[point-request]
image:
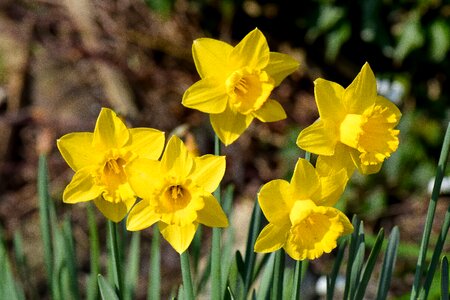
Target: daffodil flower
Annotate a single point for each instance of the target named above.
(236, 83)
(301, 219)
(356, 126)
(176, 193)
(99, 159)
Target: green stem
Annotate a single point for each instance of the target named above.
(94, 252)
(430, 214)
(186, 273)
(297, 280)
(278, 274)
(216, 289)
(154, 286)
(118, 278)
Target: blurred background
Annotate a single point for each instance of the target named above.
(62, 60)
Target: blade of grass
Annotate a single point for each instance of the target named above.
(430, 214)
(436, 254)
(44, 219)
(278, 274)
(154, 286)
(331, 279)
(8, 287)
(297, 280)
(370, 264)
(216, 289)
(106, 290)
(250, 255)
(444, 278)
(352, 250)
(70, 259)
(186, 274)
(227, 249)
(94, 245)
(266, 278)
(132, 273)
(22, 265)
(388, 264)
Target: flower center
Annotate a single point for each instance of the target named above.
(248, 89)
(176, 197)
(371, 133)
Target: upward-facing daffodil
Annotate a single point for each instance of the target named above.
(356, 126)
(99, 161)
(236, 83)
(176, 193)
(301, 219)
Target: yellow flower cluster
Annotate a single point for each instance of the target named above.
(114, 165)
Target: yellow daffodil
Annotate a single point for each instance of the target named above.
(99, 159)
(236, 83)
(176, 193)
(356, 126)
(301, 219)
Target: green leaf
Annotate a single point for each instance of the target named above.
(154, 286)
(411, 37)
(439, 39)
(266, 279)
(106, 290)
(250, 255)
(70, 259)
(388, 264)
(335, 40)
(331, 280)
(132, 273)
(444, 278)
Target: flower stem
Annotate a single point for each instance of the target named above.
(297, 280)
(186, 273)
(216, 289)
(154, 286)
(278, 274)
(118, 278)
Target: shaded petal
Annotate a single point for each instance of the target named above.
(76, 149)
(207, 95)
(177, 159)
(229, 125)
(208, 171)
(331, 188)
(82, 187)
(275, 199)
(270, 111)
(114, 211)
(329, 99)
(144, 175)
(141, 216)
(212, 214)
(363, 168)
(110, 131)
(146, 142)
(304, 181)
(179, 237)
(211, 57)
(362, 92)
(319, 138)
(271, 238)
(342, 159)
(252, 51)
(280, 66)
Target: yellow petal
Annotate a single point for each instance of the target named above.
(362, 92)
(212, 214)
(179, 237)
(280, 66)
(82, 187)
(144, 175)
(304, 181)
(114, 211)
(319, 138)
(275, 199)
(211, 57)
(146, 142)
(331, 188)
(77, 150)
(271, 238)
(329, 100)
(229, 125)
(362, 168)
(252, 51)
(177, 159)
(110, 131)
(207, 95)
(208, 171)
(395, 113)
(141, 216)
(342, 159)
(271, 111)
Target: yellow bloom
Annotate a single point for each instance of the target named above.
(176, 193)
(99, 161)
(356, 126)
(236, 83)
(301, 219)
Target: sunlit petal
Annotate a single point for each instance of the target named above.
(207, 95)
(141, 216)
(275, 199)
(144, 175)
(271, 111)
(319, 138)
(280, 66)
(211, 57)
(110, 131)
(362, 92)
(209, 170)
(179, 237)
(229, 125)
(341, 159)
(114, 211)
(82, 187)
(177, 158)
(271, 238)
(77, 150)
(212, 214)
(146, 142)
(252, 51)
(329, 99)
(304, 181)
(331, 188)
